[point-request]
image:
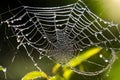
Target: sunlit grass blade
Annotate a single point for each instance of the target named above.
(1, 68)
(56, 68)
(34, 75)
(84, 56)
(67, 72)
(114, 73)
(4, 70)
(57, 77)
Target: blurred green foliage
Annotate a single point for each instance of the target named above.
(3, 70)
(66, 71)
(114, 73)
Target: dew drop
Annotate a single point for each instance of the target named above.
(1, 22)
(45, 37)
(100, 20)
(95, 35)
(100, 32)
(12, 21)
(30, 20)
(8, 25)
(7, 22)
(81, 49)
(101, 56)
(40, 49)
(106, 60)
(40, 52)
(18, 47)
(26, 35)
(28, 43)
(17, 19)
(18, 40)
(105, 22)
(48, 56)
(18, 36)
(40, 57)
(30, 38)
(35, 64)
(21, 30)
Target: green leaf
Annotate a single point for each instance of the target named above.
(1, 68)
(56, 68)
(34, 75)
(74, 62)
(84, 56)
(57, 77)
(114, 73)
(4, 70)
(67, 74)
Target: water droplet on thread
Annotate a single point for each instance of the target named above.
(81, 49)
(18, 40)
(101, 56)
(28, 43)
(45, 37)
(35, 64)
(40, 57)
(26, 35)
(40, 49)
(106, 60)
(8, 25)
(12, 21)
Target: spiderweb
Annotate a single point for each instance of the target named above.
(60, 32)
